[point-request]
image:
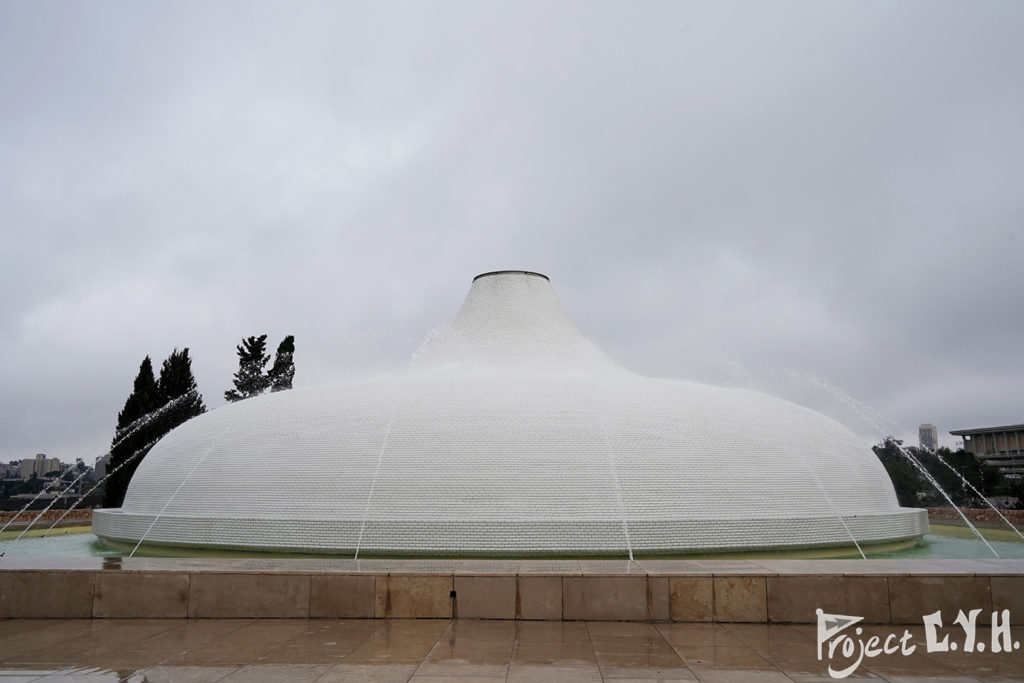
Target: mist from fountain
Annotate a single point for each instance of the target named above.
(875, 419)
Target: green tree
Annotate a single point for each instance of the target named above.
(180, 399)
(906, 479)
(250, 380)
(177, 384)
(282, 372)
(154, 408)
(132, 433)
(949, 469)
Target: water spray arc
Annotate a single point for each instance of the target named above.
(122, 434)
(934, 482)
(980, 495)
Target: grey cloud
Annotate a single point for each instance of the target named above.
(732, 192)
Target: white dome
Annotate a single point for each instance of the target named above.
(509, 433)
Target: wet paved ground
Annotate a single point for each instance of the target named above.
(460, 650)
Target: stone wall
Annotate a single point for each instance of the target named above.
(787, 591)
(49, 516)
(975, 515)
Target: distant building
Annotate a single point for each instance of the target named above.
(38, 466)
(100, 469)
(997, 446)
(928, 437)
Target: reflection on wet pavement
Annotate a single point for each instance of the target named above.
(330, 650)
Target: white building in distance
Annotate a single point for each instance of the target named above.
(38, 466)
(928, 437)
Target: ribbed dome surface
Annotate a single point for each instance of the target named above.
(509, 433)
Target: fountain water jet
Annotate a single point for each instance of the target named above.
(52, 502)
(98, 484)
(875, 419)
(934, 482)
(122, 434)
(979, 494)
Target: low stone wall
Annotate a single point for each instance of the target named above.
(783, 591)
(975, 515)
(49, 516)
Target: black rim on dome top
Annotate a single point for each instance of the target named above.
(511, 272)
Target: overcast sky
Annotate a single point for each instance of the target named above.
(822, 200)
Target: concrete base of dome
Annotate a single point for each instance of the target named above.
(497, 538)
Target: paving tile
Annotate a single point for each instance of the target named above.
(338, 650)
(544, 673)
(321, 642)
(398, 642)
(635, 650)
(275, 673)
(769, 640)
(220, 654)
(188, 674)
(471, 648)
(805, 668)
(271, 631)
(561, 644)
(17, 627)
(424, 678)
(688, 636)
(725, 664)
(369, 673)
(190, 633)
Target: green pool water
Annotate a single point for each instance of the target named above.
(944, 542)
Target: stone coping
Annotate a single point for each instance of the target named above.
(554, 567)
(762, 591)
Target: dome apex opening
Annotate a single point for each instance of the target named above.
(511, 272)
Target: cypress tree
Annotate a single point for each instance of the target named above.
(131, 435)
(177, 384)
(250, 380)
(282, 372)
(151, 410)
